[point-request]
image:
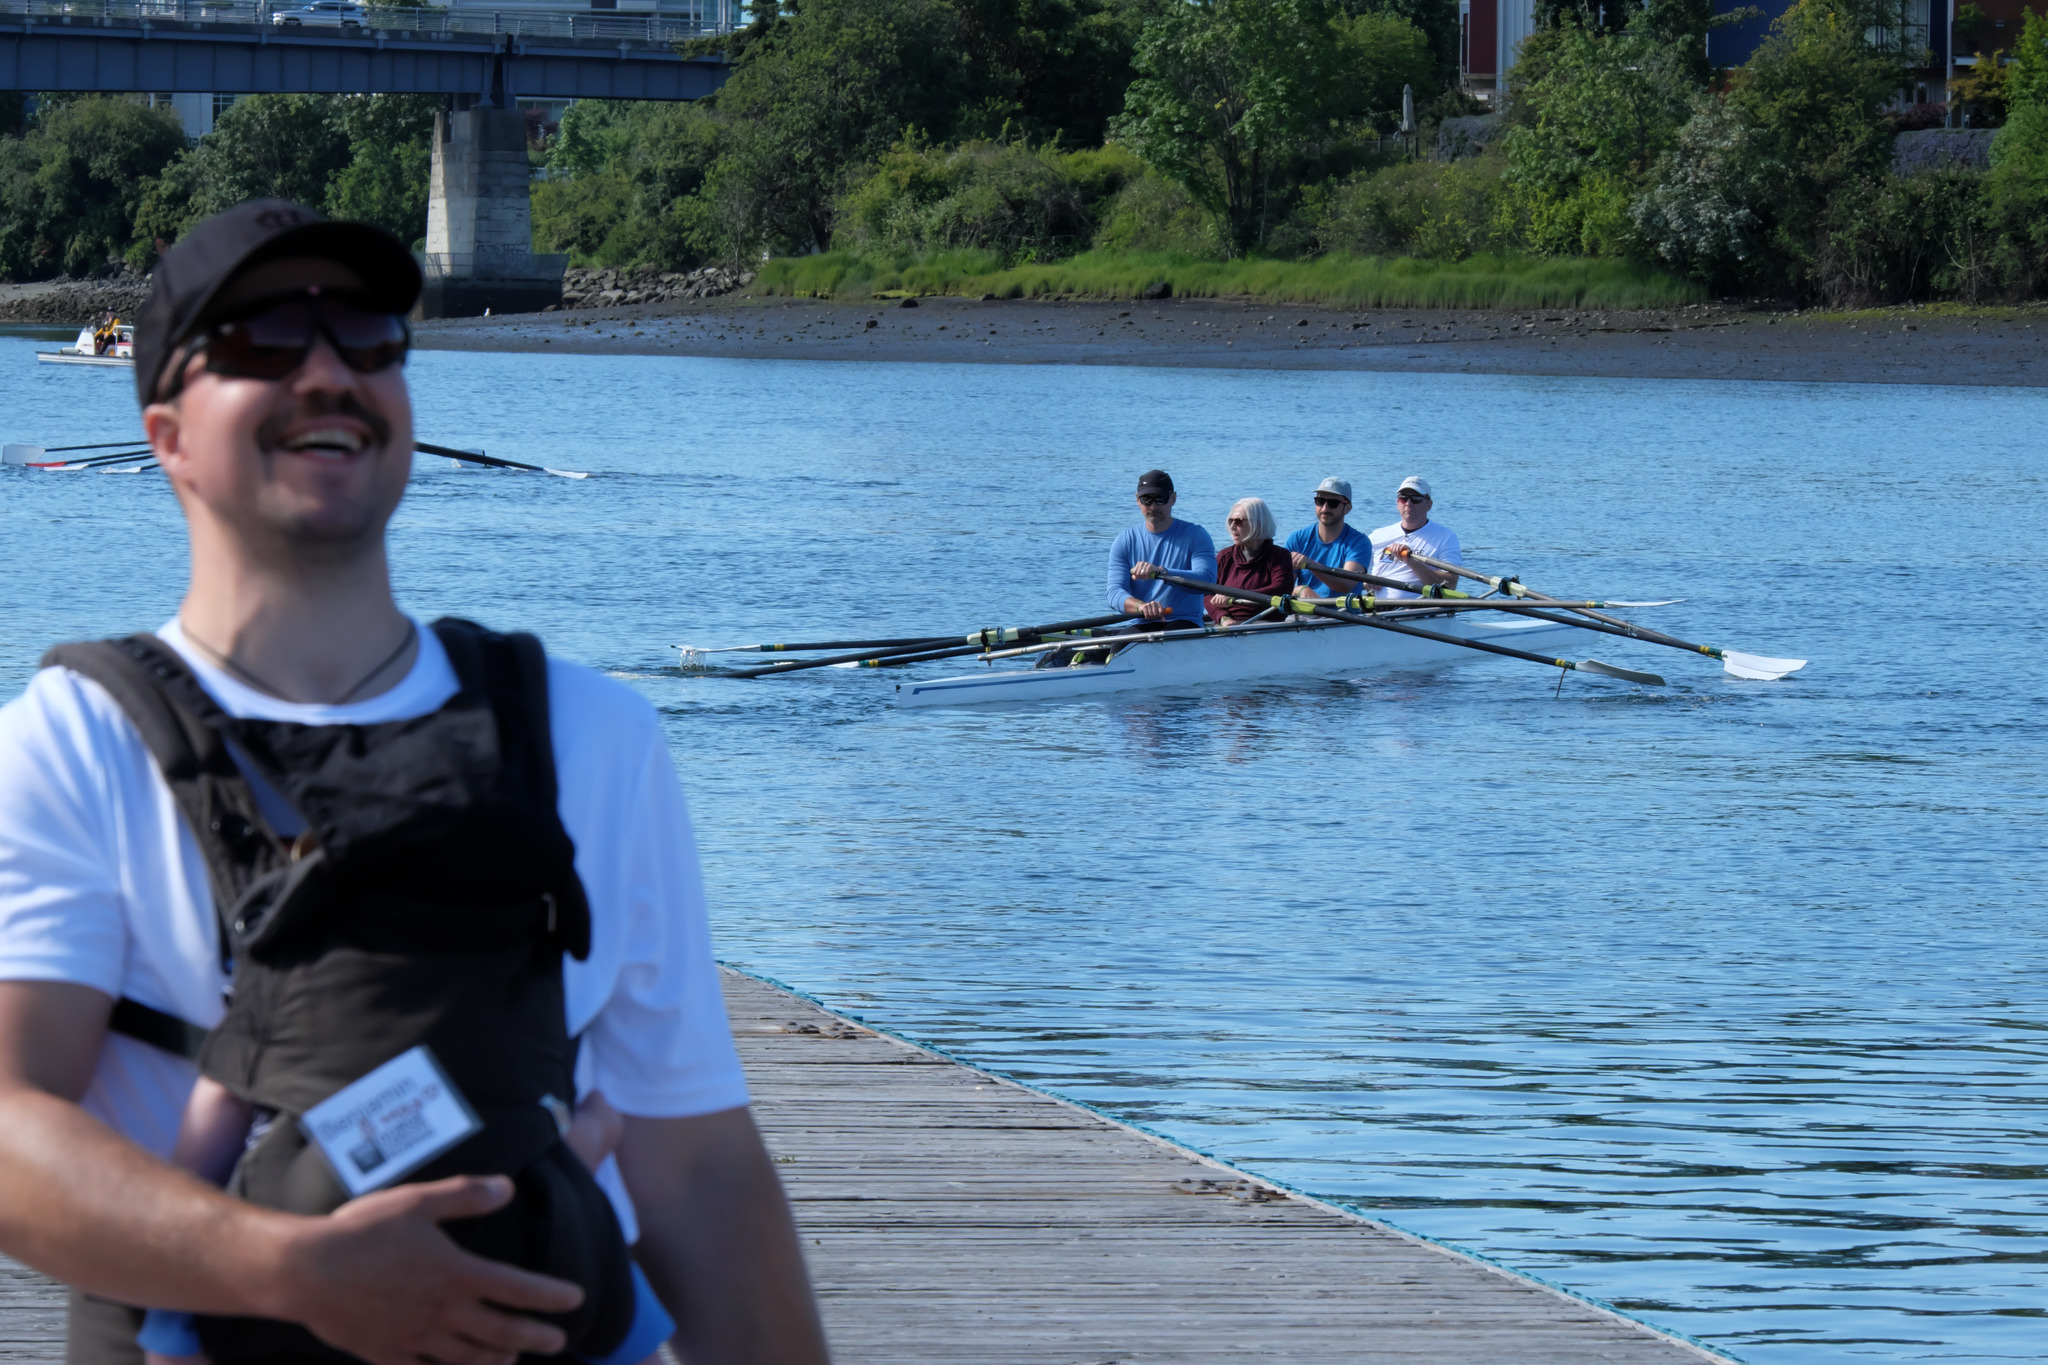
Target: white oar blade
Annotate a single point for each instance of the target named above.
(1758, 667)
(568, 474)
(13, 454)
(1667, 602)
(1624, 674)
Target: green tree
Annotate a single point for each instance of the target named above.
(2018, 183)
(1437, 22)
(1814, 91)
(273, 147)
(1596, 109)
(814, 95)
(1229, 94)
(70, 187)
(390, 142)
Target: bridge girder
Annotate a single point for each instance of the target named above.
(49, 56)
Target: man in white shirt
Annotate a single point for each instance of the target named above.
(270, 371)
(1414, 531)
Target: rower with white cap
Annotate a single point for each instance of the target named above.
(1414, 531)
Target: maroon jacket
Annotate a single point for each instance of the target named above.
(1271, 572)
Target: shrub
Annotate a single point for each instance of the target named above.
(1005, 197)
(1439, 212)
(1154, 214)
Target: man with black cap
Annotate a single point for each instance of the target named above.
(1159, 541)
(269, 365)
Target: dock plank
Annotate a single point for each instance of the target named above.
(950, 1216)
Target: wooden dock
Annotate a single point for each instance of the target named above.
(950, 1216)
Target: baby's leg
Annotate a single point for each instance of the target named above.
(211, 1132)
(595, 1131)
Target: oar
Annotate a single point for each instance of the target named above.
(1308, 608)
(974, 641)
(1754, 666)
(820, 644)
(478, 457)
(95, 461)
(20, 454)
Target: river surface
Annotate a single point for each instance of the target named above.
(1721, 1002)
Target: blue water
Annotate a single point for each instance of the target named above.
(1721, 1002)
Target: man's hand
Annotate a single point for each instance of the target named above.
(1142, 569)
(379, 1279)
(1154, 611)
(1300, 559)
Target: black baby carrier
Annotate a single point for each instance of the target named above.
(428, 900)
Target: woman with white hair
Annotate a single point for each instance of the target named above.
(1252, 563)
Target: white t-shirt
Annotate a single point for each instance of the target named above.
(103, 884)
(1432, 538)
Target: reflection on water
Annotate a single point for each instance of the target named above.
(1721, 1002)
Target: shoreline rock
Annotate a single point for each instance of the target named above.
(586, 287)
(76, 303)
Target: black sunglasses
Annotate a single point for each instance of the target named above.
(1332, 502)
(1406, 495)
(1154, 499)
(273, 343)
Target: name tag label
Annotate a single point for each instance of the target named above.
(387, 1125)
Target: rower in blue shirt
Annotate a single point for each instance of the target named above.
(1178, 546)
(1328, 541)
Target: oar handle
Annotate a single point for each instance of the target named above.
(1426, 589)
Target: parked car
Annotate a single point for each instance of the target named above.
(341, 14)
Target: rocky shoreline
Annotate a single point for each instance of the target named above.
(614, 288)
(1908, 345)
(73, 303)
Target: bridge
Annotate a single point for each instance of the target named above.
(479, 223)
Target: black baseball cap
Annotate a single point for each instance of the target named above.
(1155, 481)
(192, 274)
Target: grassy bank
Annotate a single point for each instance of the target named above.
(1366, 282)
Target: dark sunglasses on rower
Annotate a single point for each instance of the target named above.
(1330, 502)
(273, 343)
(1152, 499)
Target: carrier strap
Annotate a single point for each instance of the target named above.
(184, 730)
(165, 1032)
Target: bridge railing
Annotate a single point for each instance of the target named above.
(708, 17)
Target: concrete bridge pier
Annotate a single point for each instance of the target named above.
(480, 220)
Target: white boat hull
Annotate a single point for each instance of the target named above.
(73, 358)
(1257, 654)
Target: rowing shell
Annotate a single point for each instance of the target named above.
(1294, 649)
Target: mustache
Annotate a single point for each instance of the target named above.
(273, 427)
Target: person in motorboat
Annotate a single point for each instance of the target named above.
(1328, 540)
(375, 830)
(1414, 531)
(1159, 540)
(1251, 563)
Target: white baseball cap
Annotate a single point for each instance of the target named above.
(1415, 482)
